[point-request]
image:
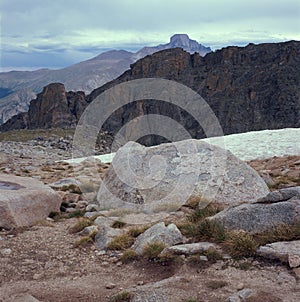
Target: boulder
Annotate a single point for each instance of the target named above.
(281, 195)
(164, 177)
(190, 249)
(169, 235)
(285, 251)
(257, 218)
(105, 236)
(24, 201)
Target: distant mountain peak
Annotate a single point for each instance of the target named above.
(180, 39)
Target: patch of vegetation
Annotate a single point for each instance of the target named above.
(136, 231)
(242, 265)
(123, 296)
(83, 242)
(118, 224)
(25, 135)
(78, 213)
(216, 284)
(72, 188)
(240, 244)
(282, 232)
(121, 242)
(213, 255)
(80, 225)
(209, 229)
(201, 214)
(129, 256)
(152, 250)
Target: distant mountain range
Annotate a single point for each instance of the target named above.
(18, 88)
(248, 88)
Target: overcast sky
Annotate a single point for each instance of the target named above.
(57, 33)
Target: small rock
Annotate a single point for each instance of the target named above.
(6, 252)
(119, 263)
(240, 286)
(285, 278)
(294, 260)
(88, 230)
(203, 258)
(92, 207)
(140, 283)
(245, 293)
(100, 253)
(37, 276)
(110, 285)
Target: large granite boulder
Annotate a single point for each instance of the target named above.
(24, 201)
(164, 177)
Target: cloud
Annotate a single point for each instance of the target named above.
(85, 27)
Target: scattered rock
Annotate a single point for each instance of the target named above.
(5, 252)
(105, 236)
(259, 217)
(24, 201)
(22, 298)
(110, 285)
(190, 249)
(88, 230)
(169, 235)
(241, 295)
(284, 277)
(285, 251)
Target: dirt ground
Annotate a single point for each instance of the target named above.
(42, 261)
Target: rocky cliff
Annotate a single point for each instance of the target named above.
(249, 88)
(53, 108)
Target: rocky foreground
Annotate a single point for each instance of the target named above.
(67, 257)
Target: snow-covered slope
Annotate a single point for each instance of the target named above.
(248, 146)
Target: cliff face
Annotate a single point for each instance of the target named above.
(249, 88)
(53, 108)
(252, 88)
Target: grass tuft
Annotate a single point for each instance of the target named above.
(123, 296)
(121, 242)
(152, 250)
(129, 256)
(80, 225)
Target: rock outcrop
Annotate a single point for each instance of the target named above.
(24, 201)
(53, 108)
(162, 178)
(249, 88)
(276, 209)
(285, 251)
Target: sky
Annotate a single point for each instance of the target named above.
(58, 33)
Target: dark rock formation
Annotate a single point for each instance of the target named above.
(53, 108)
(249, 88)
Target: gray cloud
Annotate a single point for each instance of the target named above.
(85, 27)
